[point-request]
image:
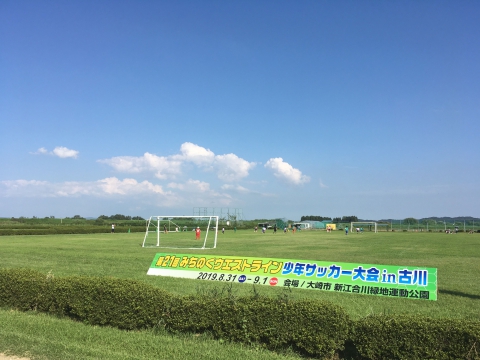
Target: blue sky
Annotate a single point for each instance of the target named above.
(277, 108)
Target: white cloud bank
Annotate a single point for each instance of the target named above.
(176, 188)
(60, 151)
(228, 167)
(196, 154)
(191, 186)
(64, 152)
(190, 193)
(236, 188)
(287, 172)
(107, 186)
(163, 167)
(42, 150)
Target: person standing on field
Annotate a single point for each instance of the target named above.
(346, 230)
(113, 228)
(197, 233)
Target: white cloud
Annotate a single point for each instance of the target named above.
(236, 188)
(104, 187)
(191, 186)
(196, 154)
(178, 186)
(162, 166)
(64, 152)
(287, 172)
(228, 167)
(197, 193)
(198, 185)
(42, 150)
(128, 164)
(27, 188)
(232, 168)
(113, 185)
(178, 195)
(60, 151)
(322, 185)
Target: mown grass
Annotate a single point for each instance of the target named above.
(39, 336)
(456, 256)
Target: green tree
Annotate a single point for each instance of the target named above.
(410, 221)
(314, 218)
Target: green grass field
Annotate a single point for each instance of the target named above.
(456, 256)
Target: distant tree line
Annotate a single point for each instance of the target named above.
(120, 217)
(314, 218)
(343, 219)
(431, 221)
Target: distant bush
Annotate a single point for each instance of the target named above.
(70, 229)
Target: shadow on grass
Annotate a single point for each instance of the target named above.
(459, 293)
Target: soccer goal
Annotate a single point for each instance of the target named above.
(181, 232)
(362, 224)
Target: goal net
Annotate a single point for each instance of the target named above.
(181, 232)
(360, 225)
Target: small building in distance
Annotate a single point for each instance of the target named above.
(332, 226)
(265, 225)
(311, 225)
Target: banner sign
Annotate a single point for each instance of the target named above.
(406, 282)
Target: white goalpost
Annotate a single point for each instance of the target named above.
(369, 223)
(159, 232)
